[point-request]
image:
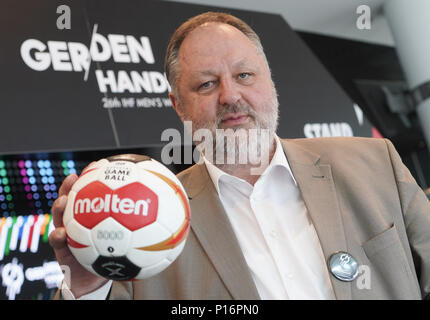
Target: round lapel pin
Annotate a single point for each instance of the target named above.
(343, 266)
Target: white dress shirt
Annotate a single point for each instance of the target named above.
(275, 233)
(99, 294)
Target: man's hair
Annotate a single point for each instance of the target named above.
(171, 63)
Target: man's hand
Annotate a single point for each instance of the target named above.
(82, 281)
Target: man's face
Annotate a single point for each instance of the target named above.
(224, 81)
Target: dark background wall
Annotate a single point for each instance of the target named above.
(350, 62)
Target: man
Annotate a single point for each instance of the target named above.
(325, 218)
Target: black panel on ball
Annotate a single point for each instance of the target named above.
(115, 268)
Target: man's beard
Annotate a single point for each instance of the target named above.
(243, 144)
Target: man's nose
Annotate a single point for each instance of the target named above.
(229, 92)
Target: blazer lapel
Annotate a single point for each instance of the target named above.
(316, 184)
(214, 231)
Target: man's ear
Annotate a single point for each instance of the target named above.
(176, 106)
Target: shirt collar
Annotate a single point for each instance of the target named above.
(279, 159)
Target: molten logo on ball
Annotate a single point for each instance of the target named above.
(96, 202)
(124, 206)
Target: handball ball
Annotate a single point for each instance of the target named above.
(127, 217)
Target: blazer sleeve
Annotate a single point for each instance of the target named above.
(416, 214)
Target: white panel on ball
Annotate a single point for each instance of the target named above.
(152, 181)
(86, 255)
(84, 180)
(149, 235)
(144, 259)
(159, 167)
(118, 174)
(111, 238)
(171, 214)
(98, 164)
(175, 252)
(79, 233)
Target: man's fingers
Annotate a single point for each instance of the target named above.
(67, 184)
(60, 203)
(57, 210)
(58, 239)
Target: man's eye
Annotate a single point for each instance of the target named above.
(206, 85)
(244, 75)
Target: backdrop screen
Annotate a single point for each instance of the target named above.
(29, 184)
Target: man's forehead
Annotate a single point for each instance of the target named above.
(216, 40)
(213, 27)
(211, 34)
(211, 70)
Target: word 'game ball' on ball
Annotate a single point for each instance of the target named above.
(127, 217)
